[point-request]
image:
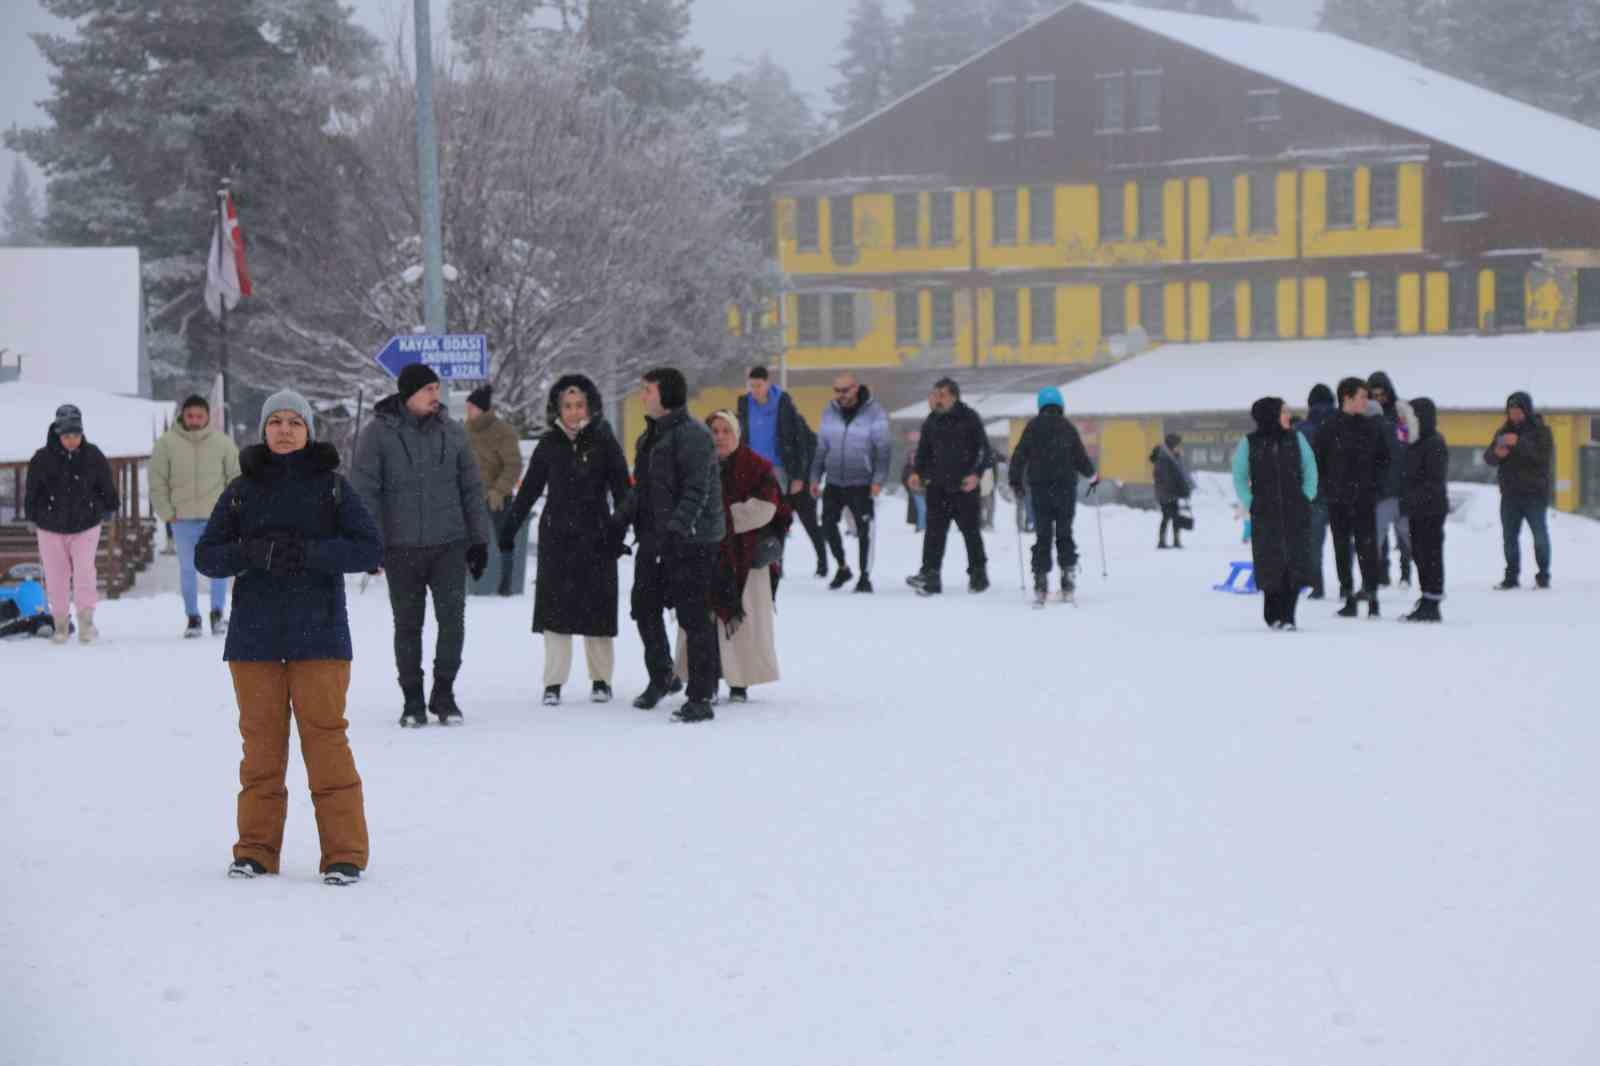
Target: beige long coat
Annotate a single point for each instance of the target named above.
(750, 656)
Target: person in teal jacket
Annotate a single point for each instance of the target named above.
(1275, 475)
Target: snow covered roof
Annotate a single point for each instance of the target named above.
(1394, 90)
(1375, 83)
(120, 426)
(1560, 370)
(989, 406)
(75, 315)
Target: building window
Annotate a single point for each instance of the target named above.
(1153, 310)
(1002, 109)
(1224, 312)
(1150, 211)
(905, 220)
(1042, 214)
(1461, 198)
(1112, 108)
(1385, 303)
(1005, 316)
(809, 319)
(1263, 309)
(1039, 107)
(1042, 315)
(807, 225)
(842, 317)
(1463, 300)
(1386, 195)
(944, 315)
(1341, 205)
(942, 219)
(907, 317)
(1263, 203)
(1341, 305)
(1005, 216)
(1511, 298)
(1588, 297)
(1147, 99)
(1111, 214)
(1222, 217)
(841, 222)
(1263, 105)
(1113, 310)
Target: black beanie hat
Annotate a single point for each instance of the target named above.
(1320, 394)
(1173, 440)
(415, 378)
(194, 400)
(482, 397)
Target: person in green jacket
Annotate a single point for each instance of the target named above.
(190, 467)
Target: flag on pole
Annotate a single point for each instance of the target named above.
(227, 280)
(219, 407)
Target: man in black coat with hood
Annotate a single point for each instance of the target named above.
(952, 454)
(1520, 454)
(1427, 506)
(1320, 407)
(1353, 461)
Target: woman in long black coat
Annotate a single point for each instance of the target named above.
(580, 463)
(1275, 474)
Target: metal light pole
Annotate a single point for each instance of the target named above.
(428, 178)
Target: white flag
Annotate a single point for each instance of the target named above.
(226, 277)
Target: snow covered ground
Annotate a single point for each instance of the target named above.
(1145, 831)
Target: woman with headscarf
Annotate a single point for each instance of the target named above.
(1275, 474)
(580, 462)
(70, 493)
(757, 519)
(289, 528)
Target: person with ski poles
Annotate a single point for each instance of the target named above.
(1047, 462)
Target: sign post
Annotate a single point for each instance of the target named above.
(453, 356)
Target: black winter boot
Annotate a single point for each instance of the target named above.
(925, 583)
(1351, 608)
(219, 624)
(841, 578)
(443, 701)
(1508, 584)
(414, 715)
(552, 696)
(655, 692)
(194, 630)
(978, 581)
(1372, 605)
(1426, 610)
(695, 711)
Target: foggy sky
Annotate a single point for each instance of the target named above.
(803, 35)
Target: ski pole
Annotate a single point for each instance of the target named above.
(1100, 529)
(1022, 581)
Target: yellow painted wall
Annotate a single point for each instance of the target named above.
(1485, 296)
(1362, 290)
(1288, 308)
(1410, 297)
(1241, 243)
(874, 239)
(1316, 323)
(1319, 241)
(1199, 310)
(1077, 340)
(1438, 313)
(1176, 320)
(1125, 445)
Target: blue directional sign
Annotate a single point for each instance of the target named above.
(453, 356)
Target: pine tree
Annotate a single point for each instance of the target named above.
(1399, 26)
(643, 47)
(21, 219)
(935, 36)
(773, 125)
(866, 68)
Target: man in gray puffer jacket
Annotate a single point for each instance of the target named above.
(415, 472)
(853, 457)
(676, 512)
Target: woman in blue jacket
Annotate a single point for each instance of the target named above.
(289, 528)
(1275, 474)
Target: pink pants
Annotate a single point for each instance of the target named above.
(69, 572)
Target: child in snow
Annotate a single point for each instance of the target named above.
(1173, 485)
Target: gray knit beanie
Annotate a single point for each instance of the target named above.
(288, 400)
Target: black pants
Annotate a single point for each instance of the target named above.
(858, 498)
(682, 583)
(805, 509)
(413, 573)
(964, 509)
(1427, 549)
(1355, 526)
(1278, 604)
(1169, 516)
(1055, 503)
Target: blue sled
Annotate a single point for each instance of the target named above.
(24, 608)
(1245, 569)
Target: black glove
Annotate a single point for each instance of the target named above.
(477, 560)
(506, 540)
(1093, 485)
(281, 555)
(258, 552)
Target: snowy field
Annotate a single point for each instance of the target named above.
(1145, 831)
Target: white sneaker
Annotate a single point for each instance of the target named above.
(87, 633)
